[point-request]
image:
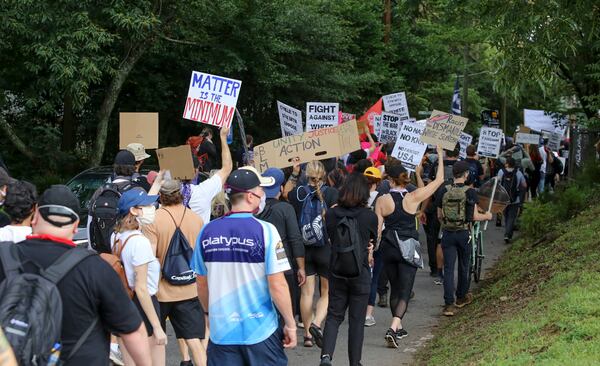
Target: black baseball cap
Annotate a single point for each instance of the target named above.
(125, 157)
(245, 179)
(395, 170)
(5, 178)
(59, 201)
(460, 167)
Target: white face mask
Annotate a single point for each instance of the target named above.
(147, 216)
(263, 203)
(510, 170)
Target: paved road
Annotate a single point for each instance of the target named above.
(423, 315)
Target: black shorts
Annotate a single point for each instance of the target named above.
(137, 304)
(316, 260)
(186, 317)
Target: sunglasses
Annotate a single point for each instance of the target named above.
(49, 211)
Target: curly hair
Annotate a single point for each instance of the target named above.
(21, 197)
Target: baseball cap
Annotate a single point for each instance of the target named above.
(56, 202)
(5, 178)
(245, 179)
(124, 157)
(273, 190)
(460, 167)
(372, 172)
(395, 170)
(138, 151)
(134, 197)
(170, 186)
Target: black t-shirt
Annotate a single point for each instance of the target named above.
(92, 289)
(477, 169)
(472, 199)
(367, 222)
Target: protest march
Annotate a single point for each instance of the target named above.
(299, 184)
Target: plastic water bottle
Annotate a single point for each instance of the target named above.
(230, 135)
(54, 355)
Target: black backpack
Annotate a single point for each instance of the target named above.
(557, 166)
(346, 249)
(103, 212)
(510, 183)
(176, 266)
(31, 307)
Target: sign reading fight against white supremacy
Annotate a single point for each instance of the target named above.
(396, 103)
(211, 99)
(321, 115)
(490, 140)
(464, 140)
(290, 119)
(443, 129)
(312, 145)
(528, 138)
(390, 124)
(409, 149)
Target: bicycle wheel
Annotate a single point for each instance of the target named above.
(478, 257)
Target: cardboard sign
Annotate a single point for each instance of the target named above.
(138, 127)
(528, 138)
(211, 99)
(290, 120)
(541, 120)
(554, 139)
(464, 140)
(178, 161)
(443, 129)
(390, 125)
(490, 140)
(396, 103)
(312, 145)
(321, 115)
(409, 149)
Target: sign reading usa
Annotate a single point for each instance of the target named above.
(211, 99)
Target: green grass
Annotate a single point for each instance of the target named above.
(551, 316)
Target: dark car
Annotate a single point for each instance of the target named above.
(84, 185)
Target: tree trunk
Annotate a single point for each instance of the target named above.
(16, 140)
(387, 20)
(110, 99)
(68, 124)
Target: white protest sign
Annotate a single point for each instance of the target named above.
(528, 138)
(443, 129)
(396, 103)
(554, 141)
(321, 115)
(345, 117)
(541, 120)
(409, 149)
(211, 99)
(377, 125)
(490, 140)
(390, 125)
(464, 140)
(290, 119)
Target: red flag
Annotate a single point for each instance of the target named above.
(369, 116)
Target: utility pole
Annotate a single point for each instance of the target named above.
(503, 115)
(387, 20)
(465, 98)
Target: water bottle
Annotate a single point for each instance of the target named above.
(230, 135)
(54, 355)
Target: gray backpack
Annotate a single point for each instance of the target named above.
(31, 307)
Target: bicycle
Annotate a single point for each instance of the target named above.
(477, 256)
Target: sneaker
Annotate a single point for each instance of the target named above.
(449, 310)
(317, 334)
(439, 281)
(506, 240)
(325, 360)
(382, 301)
(401, 333)
(116, 357)
(300, 325)
(370, 321)
(391, 339)
(461, 303)
(186, 363)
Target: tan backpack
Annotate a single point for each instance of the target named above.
(114, 260)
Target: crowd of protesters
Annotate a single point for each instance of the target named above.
(234, 259)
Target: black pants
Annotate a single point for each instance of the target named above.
(432, 231)
(352, 295)
(292, 281)
(510, 218)
(456, 244)
(401, 275)
(382, 284)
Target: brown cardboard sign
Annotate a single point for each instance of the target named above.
(318, 144)
(138, 127)
(177, 160)
(443, 129)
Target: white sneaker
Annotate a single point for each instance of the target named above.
(116, 357)
(370, 321)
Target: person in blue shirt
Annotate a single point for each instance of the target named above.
(240, 261)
